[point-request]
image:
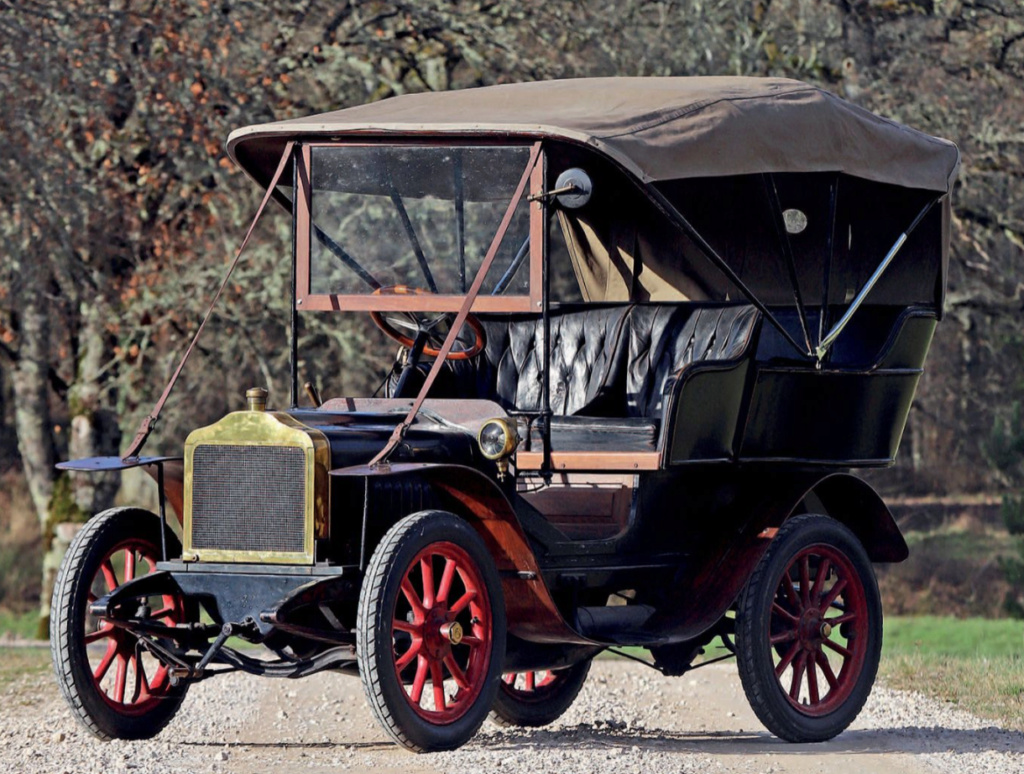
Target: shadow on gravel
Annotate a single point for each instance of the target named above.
(906, 739)
(340, 745)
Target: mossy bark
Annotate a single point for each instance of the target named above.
(93, 432)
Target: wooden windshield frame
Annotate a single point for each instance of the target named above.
(305, 300)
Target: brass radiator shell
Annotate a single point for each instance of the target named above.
(229, 439)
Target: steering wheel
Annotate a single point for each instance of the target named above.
(406, 327)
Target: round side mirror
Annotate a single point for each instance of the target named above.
(579, 188)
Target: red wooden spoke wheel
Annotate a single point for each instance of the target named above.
(130, 679)
(528, 684)
(540, 697)
(445, 614)
(809, 630)
(114, 687)
(430, 631)
(818, 628)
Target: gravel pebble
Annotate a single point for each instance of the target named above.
(626, 720)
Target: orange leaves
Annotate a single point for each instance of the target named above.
(197, 88)
(129, 355)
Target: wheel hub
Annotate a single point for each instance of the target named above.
(452, 632)
(438, 635)
(813, 627)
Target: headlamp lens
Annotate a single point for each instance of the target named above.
(493, 439)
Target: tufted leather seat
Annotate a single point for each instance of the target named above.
(665, 339)
(610, 367)
(587, 361)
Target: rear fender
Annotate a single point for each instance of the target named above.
(850, 500)
(714, 583)
(532, 613)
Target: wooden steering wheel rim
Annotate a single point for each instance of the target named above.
(479, 338)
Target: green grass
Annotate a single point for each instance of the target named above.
(21, 626)
(974, 663)
(930, 636)
(990, 687)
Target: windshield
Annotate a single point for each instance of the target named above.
(415, 216)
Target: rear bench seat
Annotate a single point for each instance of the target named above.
(611, 367)
(663, 340)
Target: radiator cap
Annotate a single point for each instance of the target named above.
(256, 398)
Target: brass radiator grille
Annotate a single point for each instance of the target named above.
(249, 498)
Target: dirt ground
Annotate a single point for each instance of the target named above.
(628, 719)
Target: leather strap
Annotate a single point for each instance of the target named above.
(148, 422)
(460, 318)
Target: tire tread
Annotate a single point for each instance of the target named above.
(368, 623)
(757, 690)
(65, 591)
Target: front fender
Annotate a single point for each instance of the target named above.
(173, 468)
(532, 613)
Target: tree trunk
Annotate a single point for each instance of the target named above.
(34, 425)
(94, 428)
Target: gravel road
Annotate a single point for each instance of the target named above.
(628, 719)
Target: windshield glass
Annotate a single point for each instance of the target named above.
(421, 217)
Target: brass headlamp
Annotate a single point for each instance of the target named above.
(498, 438)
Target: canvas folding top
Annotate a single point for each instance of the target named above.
(658, 129)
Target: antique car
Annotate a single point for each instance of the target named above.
(647, 327)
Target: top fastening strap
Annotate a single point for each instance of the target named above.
(146, 426)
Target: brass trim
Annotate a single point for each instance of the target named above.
(256, 399)
(511, 438)
(258, 428)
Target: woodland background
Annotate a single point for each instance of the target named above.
(119, 209)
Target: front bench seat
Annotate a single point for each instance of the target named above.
(587, 361)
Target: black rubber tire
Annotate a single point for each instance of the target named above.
(754, 653)
(67, 623)
(549, 703)
(374, 649)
